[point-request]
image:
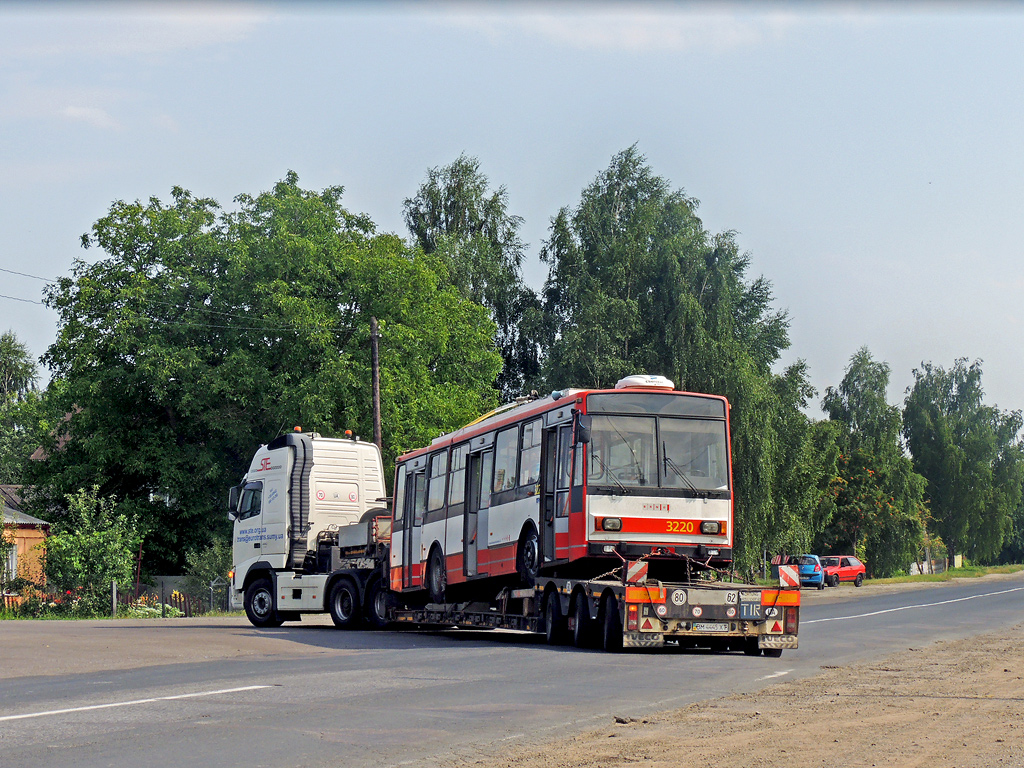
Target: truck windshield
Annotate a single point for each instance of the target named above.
(666, 452)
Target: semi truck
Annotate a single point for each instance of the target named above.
(601, 518)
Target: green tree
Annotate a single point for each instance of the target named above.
(637, 285)
(205, 566)
(19, 405)
(203, 333)
(879, 509)
(466, 226)
(93, 544)
(971, 455)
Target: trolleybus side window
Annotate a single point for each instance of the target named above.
(419, 497)
(505, 454)
(438, 475)
(529, 465)
(485, 480)
(457, 485)
(399, 503)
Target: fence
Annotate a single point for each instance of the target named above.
(163, 599)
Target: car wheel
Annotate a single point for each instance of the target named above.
(259, 604)
(835, 579)
(344, 604)
(821, 584)
(437, 577)
(859, 580)
(554, 622)
(611, 625)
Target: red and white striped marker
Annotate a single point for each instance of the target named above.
(636, 572)
(789, 575)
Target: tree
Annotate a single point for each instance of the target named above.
(19, 403)
(205, 566)
(203, 333)
(93, 544)
(466, 226)
(637, 285)
(879, 510)
(971, 455)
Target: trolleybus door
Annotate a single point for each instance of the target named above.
(549, 463)
(480, 468)
(416, 504)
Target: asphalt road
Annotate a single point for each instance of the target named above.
(403, 698)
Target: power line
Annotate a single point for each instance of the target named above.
(16, 298)
(26, 274)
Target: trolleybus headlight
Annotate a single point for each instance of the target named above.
(710, 527)
(611, 524)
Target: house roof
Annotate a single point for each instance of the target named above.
(20, 519)
(10, 496)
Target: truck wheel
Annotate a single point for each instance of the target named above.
(859, 580)
(773, 652)
(344, 604)
(376, 603)
(750, 647)
(611, 625)
(528, 556)
(437, 577)
(554, 622)
(582, 632)
(259, 604)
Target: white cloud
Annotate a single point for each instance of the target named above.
(122, 30)
(94, 116)
(639, 27)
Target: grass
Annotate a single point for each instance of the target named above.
(967, 572)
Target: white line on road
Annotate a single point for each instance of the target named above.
(780, 673)
(135, 701)
(909, 607)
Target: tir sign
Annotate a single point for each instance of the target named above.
(265, 464)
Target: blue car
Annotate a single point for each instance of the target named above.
(811, 572)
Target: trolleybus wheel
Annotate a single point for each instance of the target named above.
(344, 603)
(437, 578)
(528, 556)
(259, 604)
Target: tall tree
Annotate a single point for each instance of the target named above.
(636, 284)
(203, 333)
(879, 510)
(18, 407)
(456, 217)
(971, 455)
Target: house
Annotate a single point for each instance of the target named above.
(25, 558)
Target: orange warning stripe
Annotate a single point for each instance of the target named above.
(645, 594)
(780, 597)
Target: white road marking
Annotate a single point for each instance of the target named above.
(780, 673)
(129, 703)
(909, 607)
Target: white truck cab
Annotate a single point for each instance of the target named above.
(300, 490)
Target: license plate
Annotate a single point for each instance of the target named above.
(709, 626)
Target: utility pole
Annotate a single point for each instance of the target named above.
(375, 376)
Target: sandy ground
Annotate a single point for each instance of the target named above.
(948, 704)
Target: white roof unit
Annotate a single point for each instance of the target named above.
(649, 382)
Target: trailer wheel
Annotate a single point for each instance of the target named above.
(773, 652)
(611, 625)
(554, 622)
(750, 647)
(259, 604)
(582, 631)
(376, 603)
(344, 603)
(437, 577)
(528, 556)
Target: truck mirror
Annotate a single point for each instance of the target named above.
(233, 495)
(583, 422)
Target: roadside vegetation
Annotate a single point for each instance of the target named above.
(188, 334)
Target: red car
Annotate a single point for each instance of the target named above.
(843, 568)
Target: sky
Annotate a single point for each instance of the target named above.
(869, 156)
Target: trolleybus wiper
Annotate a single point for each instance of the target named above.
(610, 474)
(636, 461)
(682, 475)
